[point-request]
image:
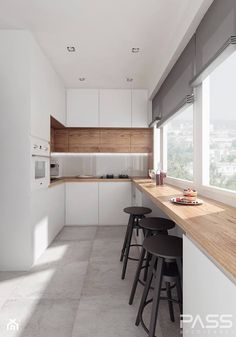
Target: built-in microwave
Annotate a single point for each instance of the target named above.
(40, 163)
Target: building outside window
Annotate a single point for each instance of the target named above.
(179, 144)
(219, 126)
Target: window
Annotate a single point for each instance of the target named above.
(179, 144)
(219, 126)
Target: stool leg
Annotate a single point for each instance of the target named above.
(156, 297)
(148, 259)
(127, 248)
(170, 303)
(179, 293)
(126, 237)
(137, 275)
(146, 290)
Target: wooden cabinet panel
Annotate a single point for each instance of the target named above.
(52, 140)
(142, 141)
(84, 140)
(61, 140)
(114, 140)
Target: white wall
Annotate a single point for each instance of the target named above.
(15, 233)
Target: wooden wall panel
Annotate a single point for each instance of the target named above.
(61, 140)
(141, 140)
(114, 140)
(117, 140)
(84, 140)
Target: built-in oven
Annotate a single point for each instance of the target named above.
(40, 170)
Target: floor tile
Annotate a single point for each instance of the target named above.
(77, 233)
(58, 282)
(111, 232)
(44, 318)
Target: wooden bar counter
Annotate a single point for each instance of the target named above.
(212, 225)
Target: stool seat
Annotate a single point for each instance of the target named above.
(136, 210)
(156, 224)
(166, 246)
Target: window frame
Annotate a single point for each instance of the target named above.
(163, 151)
(200, 132)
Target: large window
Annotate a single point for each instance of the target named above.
(179, 144)
(219, 126)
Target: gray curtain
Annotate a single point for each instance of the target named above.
(176, 87)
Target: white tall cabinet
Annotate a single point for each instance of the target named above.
(30, 92)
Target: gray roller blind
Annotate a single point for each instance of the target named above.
(176, 89)
(214, 31)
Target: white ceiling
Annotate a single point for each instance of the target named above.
(103, 32)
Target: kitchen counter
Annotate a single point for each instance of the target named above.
(212, 225)
(60, 180)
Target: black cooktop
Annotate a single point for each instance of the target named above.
(111, 176)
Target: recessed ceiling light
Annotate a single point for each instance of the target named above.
(70, 49)
(135, 50)
(129, 79)
(82, 79)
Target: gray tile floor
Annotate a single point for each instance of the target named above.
(75, 290)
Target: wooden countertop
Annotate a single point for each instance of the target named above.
(212, 225)
(85, 180)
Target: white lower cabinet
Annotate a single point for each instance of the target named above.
(113, 198)
(82, 203)
(209, 296)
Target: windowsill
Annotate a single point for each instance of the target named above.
(219, 194)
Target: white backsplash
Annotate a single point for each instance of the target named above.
(100, 164)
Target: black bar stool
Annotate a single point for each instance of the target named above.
(136, 213)
(151, 226)
(166, 266)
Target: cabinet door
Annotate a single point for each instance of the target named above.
(61, 140)
(113, 198)
(139, 108)
(82, 108)
(115, 108)
(113, 140)
(84, 140)
(142, 140)
(82, 203)
(207, 290)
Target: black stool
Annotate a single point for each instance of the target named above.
(151, 226)
(166, 251)
(136, 213)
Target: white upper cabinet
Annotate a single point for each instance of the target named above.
(115, 108)
(139, 108)
(82, 108)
